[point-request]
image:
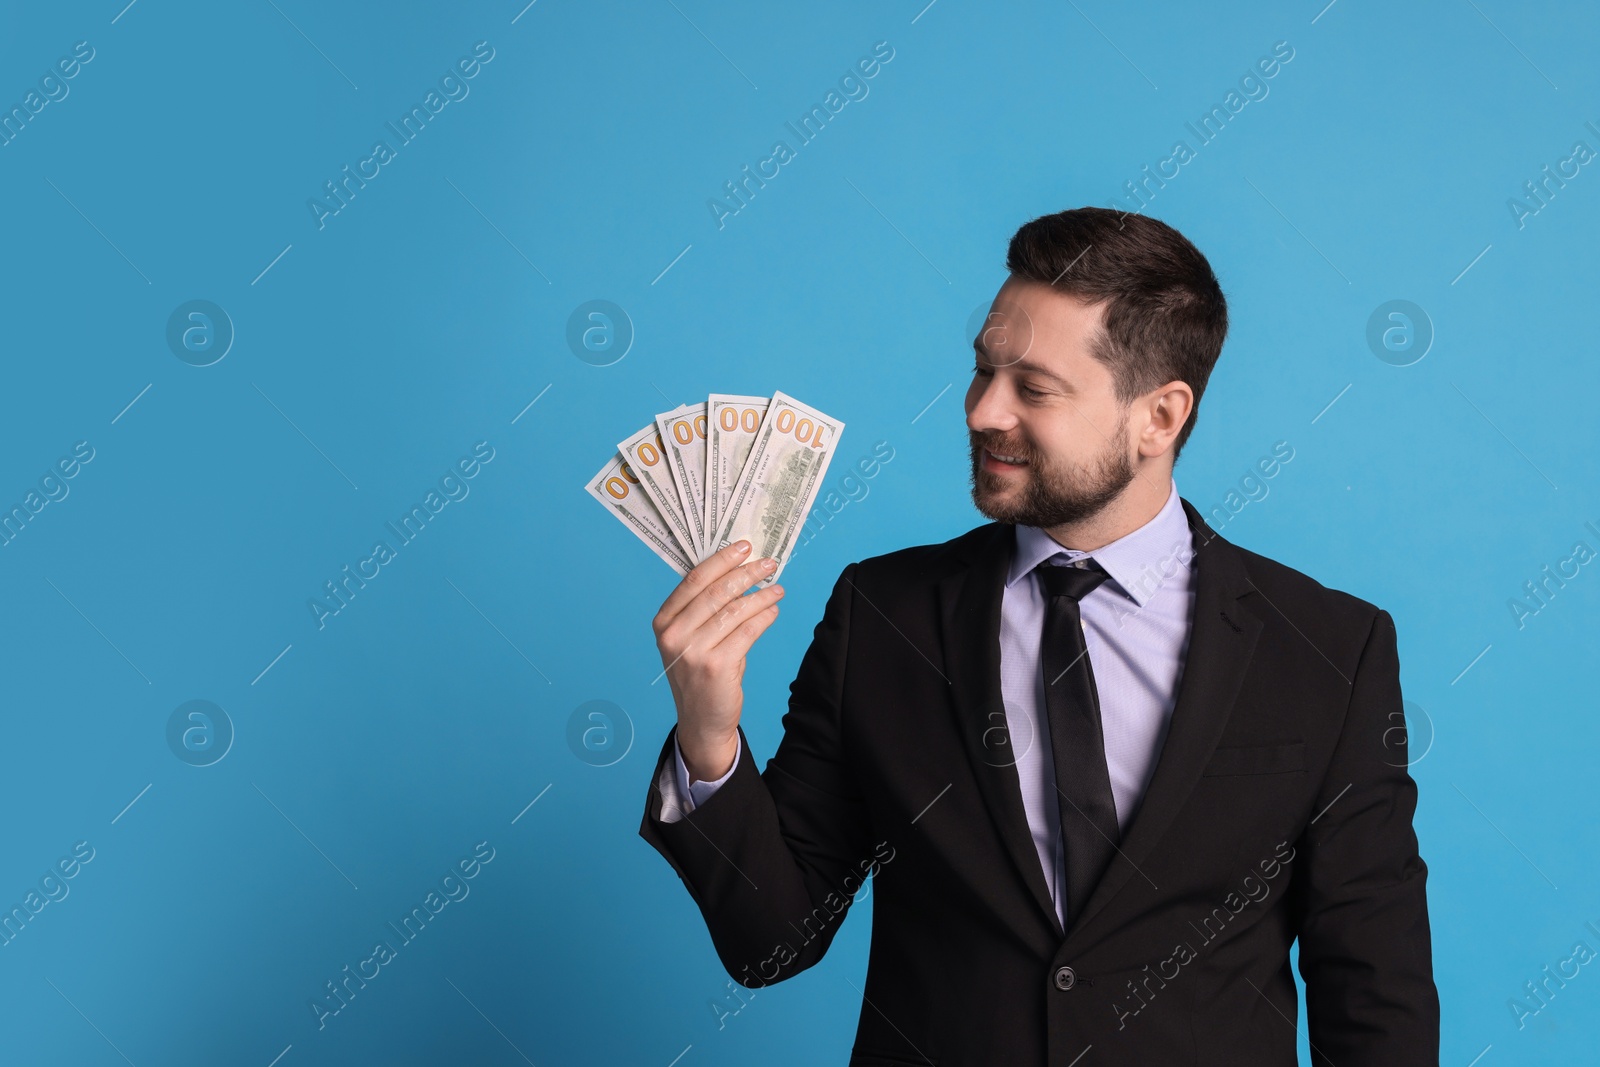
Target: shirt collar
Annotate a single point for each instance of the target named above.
(1139, 562)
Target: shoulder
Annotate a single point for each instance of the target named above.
(927, 564)
(1297, 596)
(908, 579)
(1332, 618)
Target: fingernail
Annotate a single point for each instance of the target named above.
(769, 564)
(741, 548)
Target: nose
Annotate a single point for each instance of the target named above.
(987, 409)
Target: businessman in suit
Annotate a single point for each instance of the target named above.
(1104, 766)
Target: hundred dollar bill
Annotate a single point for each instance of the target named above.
(731, 425)
(780, 479)
(646, 454)
(683, 431)
(618, 492)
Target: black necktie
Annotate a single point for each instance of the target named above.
(1089, 830)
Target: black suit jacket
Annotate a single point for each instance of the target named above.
(1279, 808)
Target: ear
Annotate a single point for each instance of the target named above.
(1165, 411)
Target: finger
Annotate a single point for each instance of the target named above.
(698, 579)
(722, 592)
(703, 639)
(724, 622)
(737, 644)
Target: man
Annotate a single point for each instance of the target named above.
(1105, 766)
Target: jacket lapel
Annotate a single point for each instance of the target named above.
(1222, 639)
(969, 628)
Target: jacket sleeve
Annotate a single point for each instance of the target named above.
(1365, 947)
(679, 796)
(773, 859)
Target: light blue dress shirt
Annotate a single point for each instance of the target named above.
(1136, 627)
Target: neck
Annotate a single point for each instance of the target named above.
(1135, 506)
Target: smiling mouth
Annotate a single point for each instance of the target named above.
(998, 461)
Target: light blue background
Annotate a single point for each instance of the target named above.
(427, 315)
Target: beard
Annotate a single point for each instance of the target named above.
(1050, 496)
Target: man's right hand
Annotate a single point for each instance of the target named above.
(703, 630)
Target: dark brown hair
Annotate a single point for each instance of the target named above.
(1165, 315)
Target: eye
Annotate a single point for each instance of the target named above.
(1030, 391)
(980, 372)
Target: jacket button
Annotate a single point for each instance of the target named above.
(1065, 978)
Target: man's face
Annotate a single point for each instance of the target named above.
(1050, 443)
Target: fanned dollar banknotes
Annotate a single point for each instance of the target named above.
(702, 476)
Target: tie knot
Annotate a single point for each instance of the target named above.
(1075, 580)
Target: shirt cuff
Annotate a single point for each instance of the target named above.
(678, 796)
